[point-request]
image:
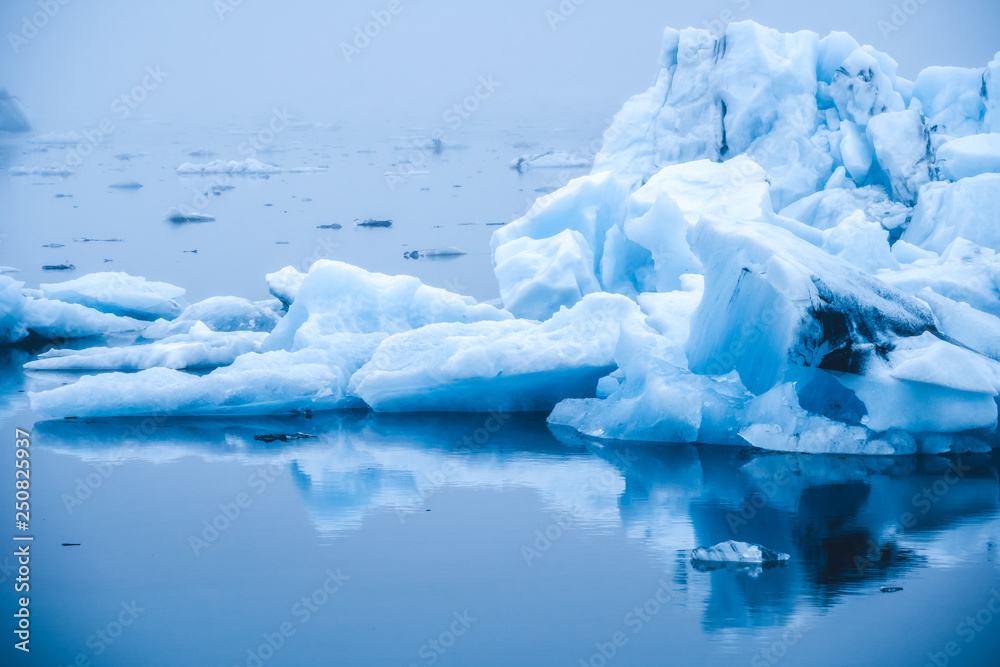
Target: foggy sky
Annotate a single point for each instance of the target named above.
(220, 64)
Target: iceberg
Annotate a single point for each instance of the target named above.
(780, 243)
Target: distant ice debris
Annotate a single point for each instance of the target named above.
(59, 267)
(179, 216)
(40, 171)
(126, 185)
(250, 166)
(438, 253)
(374, 223)
(550, 159)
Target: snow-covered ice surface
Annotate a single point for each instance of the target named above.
(780, 243)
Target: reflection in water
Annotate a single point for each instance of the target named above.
(850, 523)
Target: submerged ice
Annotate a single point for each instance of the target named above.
(781, 242)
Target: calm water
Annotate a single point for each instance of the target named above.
(444, 540)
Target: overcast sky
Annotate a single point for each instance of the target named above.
(220, 63)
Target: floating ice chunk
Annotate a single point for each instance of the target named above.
(40, 171)
(120, 294)
(903, 151)
(773, 301)
(510, 365)
(862, 243)
(179, 216)
(969, 156)
(738, 552)
(966, 208)
(551, 159)
(538, 277)
(285, 284)
(218, 313)
(448, 252)
(964, 272)
(269, 383)
(250, 166)
(978, 330)
(340, 298)
(950, 98)
(201, 348)
(126, 185)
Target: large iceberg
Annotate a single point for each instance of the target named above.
(781, 243)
